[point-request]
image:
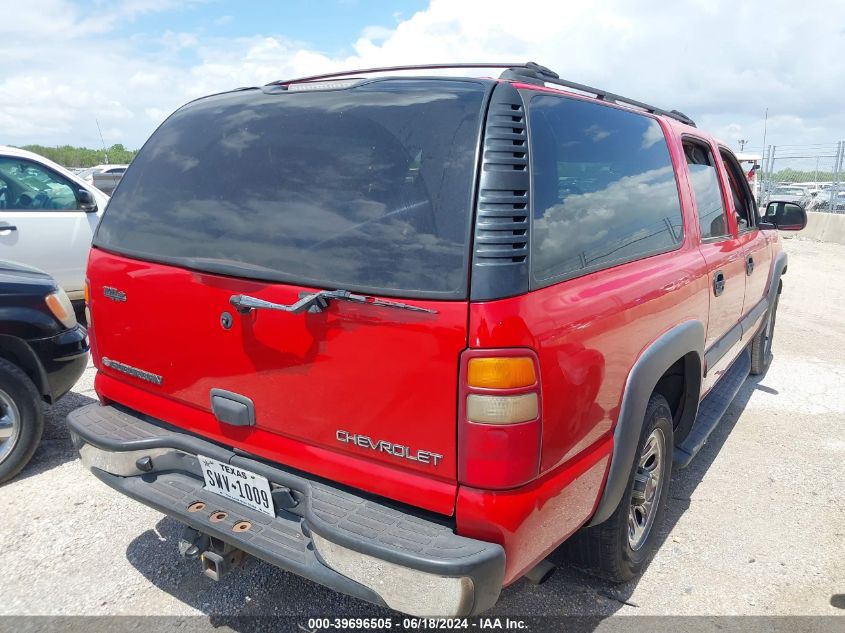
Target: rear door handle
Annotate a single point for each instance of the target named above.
(749, 265)
(718, 283)
(7, 228)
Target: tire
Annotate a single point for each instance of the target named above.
(21, 420)
(614, 550)
(761, 344)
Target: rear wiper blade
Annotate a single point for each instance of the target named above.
(317, 302)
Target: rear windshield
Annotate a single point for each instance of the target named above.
(367, 188)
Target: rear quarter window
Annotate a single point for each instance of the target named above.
(604, 190)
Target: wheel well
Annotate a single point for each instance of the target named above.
(681, 385)
(19, 353)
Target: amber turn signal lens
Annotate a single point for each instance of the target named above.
(86, 292)
(501, 372)
(61, 307)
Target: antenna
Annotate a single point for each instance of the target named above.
(105, 151)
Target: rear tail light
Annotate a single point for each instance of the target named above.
(499, 433)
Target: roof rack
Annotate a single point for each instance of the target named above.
(383, 69)
(534, 73)
(529, 72)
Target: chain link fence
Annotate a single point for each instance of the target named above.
(811, 175)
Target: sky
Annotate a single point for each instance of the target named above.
(67, 65)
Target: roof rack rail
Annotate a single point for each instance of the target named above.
(383, 69)
(534, 73)
(529, 72)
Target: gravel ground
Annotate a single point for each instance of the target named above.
(756, 525)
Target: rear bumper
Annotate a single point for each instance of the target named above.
(346, 542)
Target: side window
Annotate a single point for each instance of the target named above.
(708, 194)
(744, 205)
(30, 186)
(603, 188)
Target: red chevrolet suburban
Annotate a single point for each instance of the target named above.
(406, 335)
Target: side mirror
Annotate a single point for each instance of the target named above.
(785, 216)
(86, 200)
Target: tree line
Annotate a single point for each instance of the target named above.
(73, 157)
(798, 175)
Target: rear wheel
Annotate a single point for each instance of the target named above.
(21, 420)
(761, 344)
(621, 547)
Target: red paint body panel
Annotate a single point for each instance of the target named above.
(407, 487)
(385, 373)
(587, 333)
(531, 521)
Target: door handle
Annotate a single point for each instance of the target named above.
(718, 283)
(7, 228)
(749, 265)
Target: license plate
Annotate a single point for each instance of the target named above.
(237, 484)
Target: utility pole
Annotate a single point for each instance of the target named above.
(837, 167)
(772, 162)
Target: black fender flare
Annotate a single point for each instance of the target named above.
(778, 270)
(652, 363)
(27, 360)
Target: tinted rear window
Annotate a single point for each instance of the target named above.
(604, 189)
(367, 188)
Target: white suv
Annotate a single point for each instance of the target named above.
(47, 216)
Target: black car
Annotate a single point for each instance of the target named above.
(43, 351)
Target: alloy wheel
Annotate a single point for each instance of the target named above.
(648, 483)
(10, 423)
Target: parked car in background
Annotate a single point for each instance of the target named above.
(88, 173)
(822, 202)
(404, 336)
(790, 193)
(47, 217)
(107, 180)
(43, 351)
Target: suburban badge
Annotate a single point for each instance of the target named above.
(133, 371)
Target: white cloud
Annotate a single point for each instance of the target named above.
(719, 61)
(376, 33)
